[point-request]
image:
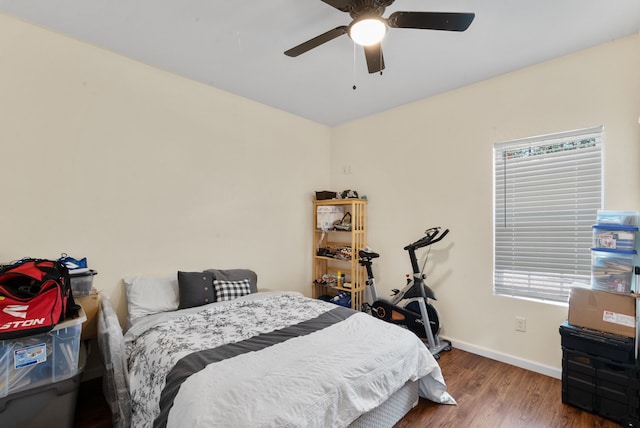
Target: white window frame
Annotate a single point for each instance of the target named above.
(547, 191)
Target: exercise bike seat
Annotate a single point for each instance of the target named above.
(363, 254)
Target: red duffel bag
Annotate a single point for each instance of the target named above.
(35, 295)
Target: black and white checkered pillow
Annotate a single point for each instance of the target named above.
(229, 290)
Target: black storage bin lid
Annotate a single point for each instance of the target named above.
(79, 273)
(597, 343)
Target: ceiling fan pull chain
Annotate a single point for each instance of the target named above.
(354, 66)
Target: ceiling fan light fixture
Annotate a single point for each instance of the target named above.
(367, 31)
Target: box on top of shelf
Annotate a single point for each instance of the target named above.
(31, 361)
(612, 270)
(614, 237)
(323, 195)
(629, 218)
(603, 311)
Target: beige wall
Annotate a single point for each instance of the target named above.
(145, 172)
(430, 164)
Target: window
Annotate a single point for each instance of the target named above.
(548, 190)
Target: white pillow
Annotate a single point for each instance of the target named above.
(149, 295)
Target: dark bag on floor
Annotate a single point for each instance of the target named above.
(35, 295)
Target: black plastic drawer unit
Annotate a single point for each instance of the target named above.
(605, 345)
(601, 386)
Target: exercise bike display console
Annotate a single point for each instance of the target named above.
(408, 307)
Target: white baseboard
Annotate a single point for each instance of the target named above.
(555, 372)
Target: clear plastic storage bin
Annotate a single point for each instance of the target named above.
(32, 361)
(612, 270)
(51, 405)
(81, 281)
(614, 237)
(629, 218)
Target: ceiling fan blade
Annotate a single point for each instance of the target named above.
(342, 5)
(375, 60)
(316, 41)
(431, 20)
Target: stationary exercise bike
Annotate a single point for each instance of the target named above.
(409, 307)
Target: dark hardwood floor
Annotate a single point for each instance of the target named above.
(92, 410)
(498, 395)
(489, 394)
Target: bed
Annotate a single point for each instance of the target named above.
(258, 359)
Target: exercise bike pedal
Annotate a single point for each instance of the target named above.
(366, 308)
(395, 291)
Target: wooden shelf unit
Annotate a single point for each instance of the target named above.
(355, 239)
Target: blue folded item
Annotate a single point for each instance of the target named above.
(72, 263)
(343, 299)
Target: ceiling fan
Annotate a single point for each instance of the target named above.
(368, 27)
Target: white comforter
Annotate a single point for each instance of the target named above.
(325, 378)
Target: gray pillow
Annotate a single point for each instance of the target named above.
(196, 289)
(236, 275)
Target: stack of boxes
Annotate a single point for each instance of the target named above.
(40, 376)
(614, 254)
(600, 370)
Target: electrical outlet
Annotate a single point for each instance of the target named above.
(346, 169)
(521, 324)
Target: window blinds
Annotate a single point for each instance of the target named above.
(547, 193)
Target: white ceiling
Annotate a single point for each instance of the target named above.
(238, 45)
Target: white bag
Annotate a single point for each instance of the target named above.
(326, 215)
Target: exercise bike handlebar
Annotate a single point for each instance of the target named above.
(430, 238)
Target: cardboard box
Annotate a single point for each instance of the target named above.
(604, 311)
(90, 303)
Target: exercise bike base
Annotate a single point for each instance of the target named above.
(442, 345)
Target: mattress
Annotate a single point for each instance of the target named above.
(392, 410)
(272, 359)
